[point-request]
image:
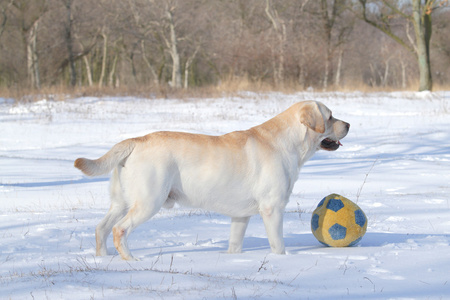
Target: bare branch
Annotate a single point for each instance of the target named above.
(397, 10)
(385, 28)
(5, 17)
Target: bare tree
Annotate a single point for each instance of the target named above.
(172, 45)
(28, 15)
(416, 12)
(328, 21)
(69, 40)
(188, 65)
(32, 56)
(331, 13)
(104, 36)
(85, 50)
(149, 64)
(300, 21)
(279, 29)
(156, 22)
(4, 17)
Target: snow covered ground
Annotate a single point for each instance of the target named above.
(395, 163)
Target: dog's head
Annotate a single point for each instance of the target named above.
(319, 118)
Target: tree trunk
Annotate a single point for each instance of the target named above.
(173, 49)
(88, 70)
(374, 75)
(328, 53)
(105, 54)
(112, 72)
(32, 57)
(422, 29)
(149, 65)
(328, 20)
(187, 66)
(327, 68)
(386, 73)
(69, 43)
(403, 65)
(280, 31)
(337, 80)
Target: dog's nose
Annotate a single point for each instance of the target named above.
(347, 125)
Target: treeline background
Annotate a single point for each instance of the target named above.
(197, 43)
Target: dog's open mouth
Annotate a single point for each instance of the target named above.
(330, 145)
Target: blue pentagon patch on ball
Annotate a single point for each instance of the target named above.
(335, 204)
(360, 217)
(337, 232)
(315, 222)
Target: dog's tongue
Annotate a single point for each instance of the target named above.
(339, 143)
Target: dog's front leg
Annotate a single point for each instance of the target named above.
(273, 221)
(238, 227)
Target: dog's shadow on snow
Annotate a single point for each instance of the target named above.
(299, 243)
(82, 180)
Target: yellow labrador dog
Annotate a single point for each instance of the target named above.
(238, 174)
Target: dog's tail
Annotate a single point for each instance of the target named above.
(107, 162)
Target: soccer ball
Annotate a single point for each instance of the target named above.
(338, 222)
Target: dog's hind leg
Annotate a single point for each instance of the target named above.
(116, 212)
(238, 227)
(135, 217)
(148, 196)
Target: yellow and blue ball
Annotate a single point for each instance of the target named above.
(338, 222)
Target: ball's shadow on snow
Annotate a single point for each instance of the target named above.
(306, 242)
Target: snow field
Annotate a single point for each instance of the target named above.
(395, 163)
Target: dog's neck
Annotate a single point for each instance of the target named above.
(290, 137)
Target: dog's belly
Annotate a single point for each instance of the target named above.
(230, 203)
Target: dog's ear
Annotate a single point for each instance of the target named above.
(311, 116)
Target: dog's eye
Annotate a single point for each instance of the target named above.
(331, 116)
